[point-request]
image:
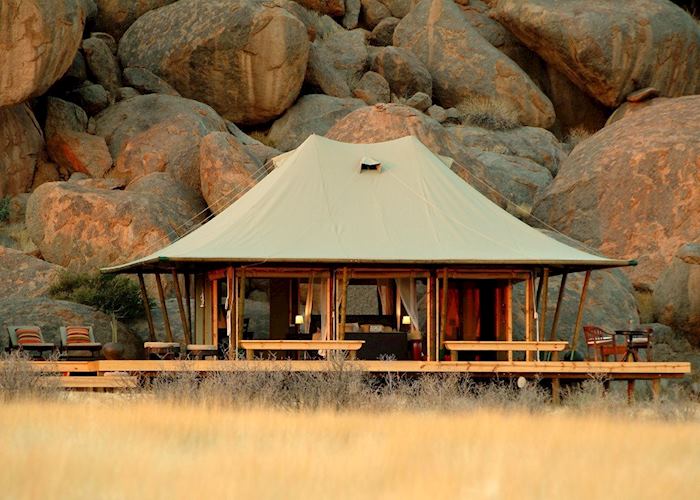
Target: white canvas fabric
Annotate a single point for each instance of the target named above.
(318, 206)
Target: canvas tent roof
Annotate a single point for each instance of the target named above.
(319, 206)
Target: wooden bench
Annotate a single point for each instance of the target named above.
(250, 346)
(553, 346)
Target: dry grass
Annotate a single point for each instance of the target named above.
(19, 233)
(488, 113)
(139, 448)
(576, 136)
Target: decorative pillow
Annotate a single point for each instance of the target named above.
(28, 336)
(77, 335)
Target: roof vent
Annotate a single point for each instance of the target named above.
(370, 165)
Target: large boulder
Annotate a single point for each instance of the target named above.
(337, 62)
(64, 115)
(330, 7)
(610, 48)
(23, 275)
(38, 43)
(102, 63)
(312, 114)
(226, 170)
(115, 16)
(21, 146)
(677, 293)
(79, 152)
(465, 67)
(632, 190)
(535, 144)
(157, 133)
(245, 59)
(50, 315)
(405, 73)
(83, 228)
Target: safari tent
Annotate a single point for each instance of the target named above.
(389, 224)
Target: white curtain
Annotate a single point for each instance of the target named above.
(385, 297)
(408, 295)
(308, 307)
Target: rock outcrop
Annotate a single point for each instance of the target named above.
(23, 275)
(312, 114)
(115, 16)
(677, 293)
(79, 152)
(226, 170)
(245, 59)
(38, 43)
(610, 48)
(464, 66)
(21, 147)
(632, 190)
(405, 73)
(157, 133)
(83, 228)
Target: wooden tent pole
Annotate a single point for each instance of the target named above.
(188, 300)
(181, 308)
(343, 304)
(557, 310)
(241, 309)
(430, 309)
(528, 313)
(164, 309)
(538, 295)
(579, 314)
(443, 313)
(147, 308)
(233, 306)
(544, 287)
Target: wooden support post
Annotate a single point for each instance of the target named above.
(181, 308)
(509, 317)
(188, 302)
(147, 308)
(164, 309)
(579, 314)
(656, 389)
(443, 314)
(544, 286)
(430, 325)
(528, 313)
(557, 310)
(343, 304)
(556, 391)
(233, 339)
(240, 311)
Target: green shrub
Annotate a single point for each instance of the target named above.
(5, 209)
(109, 293)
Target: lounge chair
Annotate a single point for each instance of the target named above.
(78, 342)
(162, 350)
(28, 338)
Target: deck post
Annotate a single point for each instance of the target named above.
(147, 308)
(544, 286)
(528, 313)
(579, 314)
(557, 310)
(443, 315)
(164, 309)
(240, 310)
(181, 308)
(343, 303)
(509, 316)
(430, 325)
(188, 301)
(233, 317)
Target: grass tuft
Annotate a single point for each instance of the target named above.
(488, 113)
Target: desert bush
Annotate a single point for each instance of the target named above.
(18, 380)
(109, 293)
(5, 209)
(576, 136)
(488, 113)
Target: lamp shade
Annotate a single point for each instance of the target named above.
(405, 320)
(298, 319)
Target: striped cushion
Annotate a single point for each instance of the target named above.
(28, 336)
(77, 335)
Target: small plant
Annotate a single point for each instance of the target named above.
(109, 293)
(18, 380)
(576, 136)
(488, 113)
(5, 209)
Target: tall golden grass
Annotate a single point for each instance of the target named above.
(146, 447)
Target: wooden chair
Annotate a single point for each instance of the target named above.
(602, 343)
(644, 342)
(78, 342)
(29, 338)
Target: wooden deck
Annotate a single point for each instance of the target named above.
(542, 369)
